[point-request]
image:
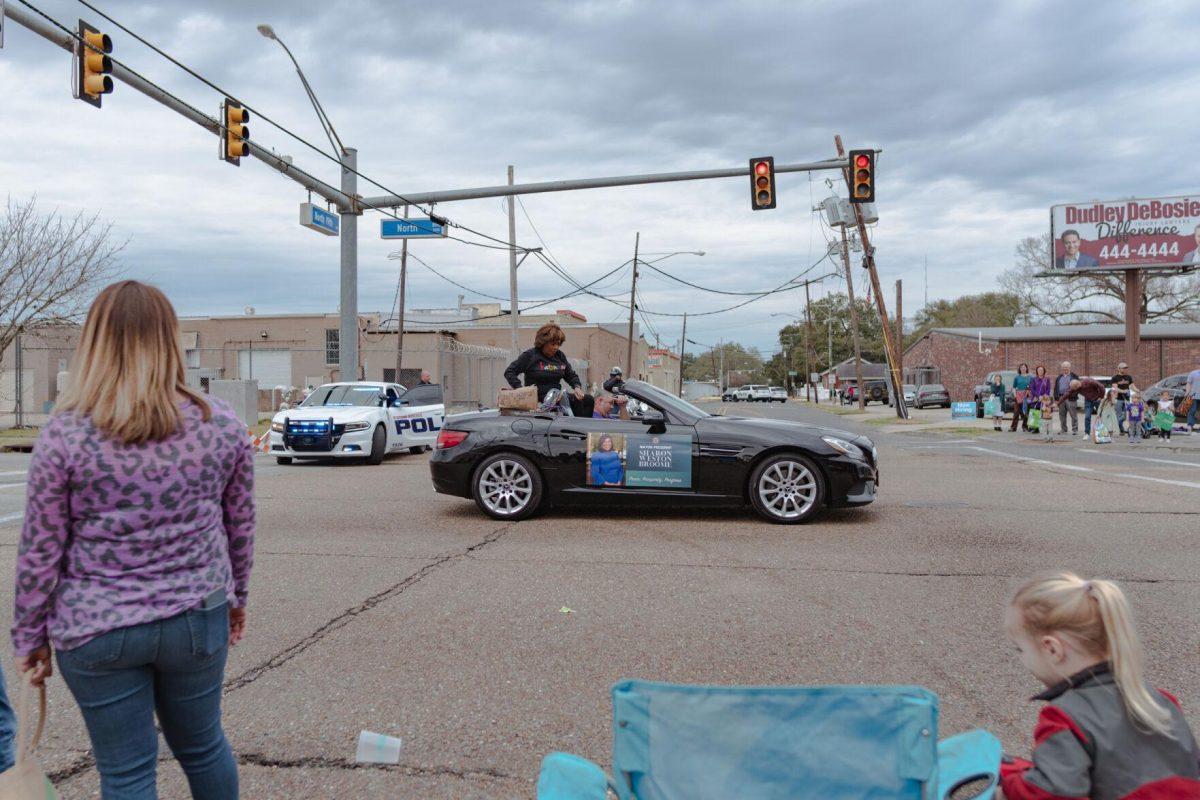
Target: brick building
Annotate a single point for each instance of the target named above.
(963, 356)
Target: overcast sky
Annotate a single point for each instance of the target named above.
(987, 113)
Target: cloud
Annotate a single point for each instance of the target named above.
(986, 114)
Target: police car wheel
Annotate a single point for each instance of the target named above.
(283, 460)
(507, 486)
(378, 446)
(787, 489)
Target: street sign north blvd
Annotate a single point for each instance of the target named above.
(319, 219)
(417, 228)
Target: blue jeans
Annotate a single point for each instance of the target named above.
(173, 667)
(1089, 408)
(1120, 415)
(1192, 412)
(8, 729)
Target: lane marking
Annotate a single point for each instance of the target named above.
(12, 518)
(1188, 484)
(1032, 460)
(13, 474)
(1141, 458)
(11, 485)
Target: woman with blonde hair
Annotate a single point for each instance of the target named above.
(135, 557)
(1104, 732)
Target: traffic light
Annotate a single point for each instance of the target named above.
(862, 176)
(762, 183)
(235, 136)
(92, 76)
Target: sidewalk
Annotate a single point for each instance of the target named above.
(939, 420)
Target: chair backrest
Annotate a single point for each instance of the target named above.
(676, 742)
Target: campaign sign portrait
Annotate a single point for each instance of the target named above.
(1155, 233)
(659, 461)
(606, 459)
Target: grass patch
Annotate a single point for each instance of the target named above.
(18, 433)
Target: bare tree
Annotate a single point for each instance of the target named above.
(50, 266)
(1093, 297)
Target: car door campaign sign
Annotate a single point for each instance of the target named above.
(639, 460)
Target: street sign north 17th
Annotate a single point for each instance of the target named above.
(415, 228)
(319, 219)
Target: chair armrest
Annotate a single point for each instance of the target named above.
(969, 756)
(565, 776)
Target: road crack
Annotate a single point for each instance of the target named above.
(324, 762)
(350, 614)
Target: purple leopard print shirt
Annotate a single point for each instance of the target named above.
(117, 535)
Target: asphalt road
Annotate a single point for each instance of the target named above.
(379, 605)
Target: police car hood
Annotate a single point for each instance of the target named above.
(340, 414)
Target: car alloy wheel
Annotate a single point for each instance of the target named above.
(505, 487)
(787, 488)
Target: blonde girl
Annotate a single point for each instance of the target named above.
(1104, 732)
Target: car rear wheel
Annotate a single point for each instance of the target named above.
(787, 489)
(507, 486)
(378, 446)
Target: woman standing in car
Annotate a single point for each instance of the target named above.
(545, 365)
(135, 558)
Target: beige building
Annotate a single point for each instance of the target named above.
(282, 351)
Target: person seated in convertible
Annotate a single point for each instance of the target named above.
(611, 407)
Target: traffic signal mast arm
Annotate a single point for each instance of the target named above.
(67, 41)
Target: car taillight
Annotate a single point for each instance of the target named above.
(447, 438)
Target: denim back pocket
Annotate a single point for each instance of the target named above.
(103, 650)
(209, 628)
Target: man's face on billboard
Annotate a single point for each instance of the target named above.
(1198, 235)
(1071, 243)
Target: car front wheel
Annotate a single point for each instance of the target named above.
(787, 489)
(378, 446)
(507, 486)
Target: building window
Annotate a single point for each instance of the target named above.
(332, 345)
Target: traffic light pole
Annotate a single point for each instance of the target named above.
(629, 373)
(889, 335)
(348, 365)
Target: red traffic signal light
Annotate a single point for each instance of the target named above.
(92, 79)
(235, 136)
(862, 176)
(762, 183)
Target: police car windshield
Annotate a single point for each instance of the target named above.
(344, 395)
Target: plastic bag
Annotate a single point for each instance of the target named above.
(1101, 434)
(992, 408)
(1035, 420)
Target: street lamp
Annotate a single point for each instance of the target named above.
(348, 360)
(268, 32)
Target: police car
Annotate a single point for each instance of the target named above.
(360, 419)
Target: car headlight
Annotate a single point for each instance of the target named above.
(277, 427)
(357, 426)
(842, 446)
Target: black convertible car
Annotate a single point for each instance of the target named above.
(670, 452)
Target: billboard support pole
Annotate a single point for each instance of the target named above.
(1133, 315)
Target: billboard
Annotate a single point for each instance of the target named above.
(1161, 232)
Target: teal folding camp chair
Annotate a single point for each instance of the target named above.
(675, 742)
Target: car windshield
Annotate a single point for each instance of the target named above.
(344, 394)
(667, 402)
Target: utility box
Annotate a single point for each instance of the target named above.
(839, 213)
(242, 396)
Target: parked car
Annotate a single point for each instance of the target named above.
(779, 394)
(931, 394)
(1175, 384)
(983, 391)
(729, 395)
(746, 393)
(910, 395)
(761, 394)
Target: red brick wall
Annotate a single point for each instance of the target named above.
(963, 366)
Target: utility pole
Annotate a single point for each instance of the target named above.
(400, 320)
(862, 406)
(829, 326)
(19, 408)
(900, 326)
(889, 340)
(629, 373)
(514, 348)
(348, 329)
(807, 343)
(721, 378)
(682, 350)
(1133, 315)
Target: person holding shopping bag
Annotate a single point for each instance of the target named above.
(997, 400)
(1021, 383)
(135, 557)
